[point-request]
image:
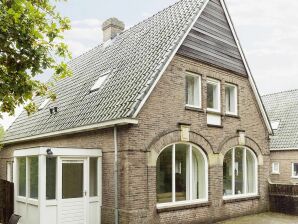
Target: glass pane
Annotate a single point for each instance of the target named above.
(251, 172)
(198, 175)
(180, 171)
(212, 94)
(295, 171)
(227, 174)
(33, 186)
(93, 177)
(22, 177)
(51, 178)
(72, 180)
(239, 175)
(230, 99)
(164, 176)
(192, 91)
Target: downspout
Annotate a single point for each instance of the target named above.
(116, 175)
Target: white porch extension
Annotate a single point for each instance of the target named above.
(58, 185)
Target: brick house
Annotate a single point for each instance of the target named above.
(282, 110)
(162, 123)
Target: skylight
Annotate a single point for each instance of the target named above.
(274, 125)
(44, 103)
(99, 82)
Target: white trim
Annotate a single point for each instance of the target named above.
(106, 124)
(58, 152)
(251, 79)
(294, 176)
(240, 196)
(169, 60)
(180, 203)
(218, 86)
(284, 149)
(235, 98)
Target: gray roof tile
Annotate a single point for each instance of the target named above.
(283, 107)
(135, 58)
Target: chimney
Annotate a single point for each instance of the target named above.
(111, 28)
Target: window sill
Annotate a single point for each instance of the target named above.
(232, 115)
(215, 112)
(214, 126)
(193, 108)
(186, 205)
(275, 173)
(240, 198)
(294, 177)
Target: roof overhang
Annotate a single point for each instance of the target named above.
(102, 125)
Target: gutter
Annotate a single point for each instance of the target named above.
(102, 125)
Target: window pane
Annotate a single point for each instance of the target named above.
(164, 176)
(212, 94)
(295, 171)
(192, 91)
(33, 161)
(22, 177)
(228, 174)
(239, 175)
(93, 177)
(230, 92)
(180, 171)
(198, 175)
(51, 178)
(72, 180)
(251, 172)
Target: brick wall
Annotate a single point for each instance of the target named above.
(285, 160)
(157, 128)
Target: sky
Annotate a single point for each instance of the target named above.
(267, 30)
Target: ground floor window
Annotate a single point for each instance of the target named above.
(239, 172)
(295, 170)
(181, 174)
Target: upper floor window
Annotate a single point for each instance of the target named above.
(213, 95)
(193, 90)
(181, 175)
(231, 99)
(275, 168)
(294, 170)
(239, 173)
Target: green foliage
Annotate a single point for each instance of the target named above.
(31, 41)
(2, 132)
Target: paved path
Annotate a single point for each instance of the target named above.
(264, 218)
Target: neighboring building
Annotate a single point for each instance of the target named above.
(282, 109)
(171, 102)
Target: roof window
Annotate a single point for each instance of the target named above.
(44, 103)
(100, 81)
(274, 125)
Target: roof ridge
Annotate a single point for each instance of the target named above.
(284, 91)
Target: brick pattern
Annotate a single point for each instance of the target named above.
(285, 160)
(158, 128)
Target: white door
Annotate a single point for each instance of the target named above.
(72, 191)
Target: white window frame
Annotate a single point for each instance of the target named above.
(235, 99)
(175, 203)
(275, 171)
(245, 195)
(218, 98)
(293, 176)
(9, 171)
(199, 77)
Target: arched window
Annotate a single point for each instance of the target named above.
(181, 174)
(243, 181)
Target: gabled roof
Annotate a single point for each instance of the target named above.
(282, 107)
(135, 61)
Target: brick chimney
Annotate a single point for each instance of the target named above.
(111, 28)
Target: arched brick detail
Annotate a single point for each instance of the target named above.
(157, 145)
(231, 142)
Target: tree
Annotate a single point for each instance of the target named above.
(31, 41)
